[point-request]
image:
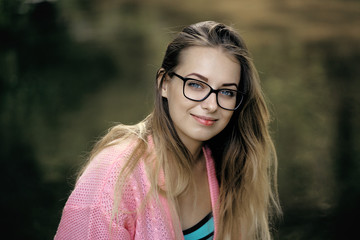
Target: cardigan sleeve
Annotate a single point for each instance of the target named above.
(88, 213)
(88, 223)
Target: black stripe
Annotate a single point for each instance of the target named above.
(208, 236)
(198, 225)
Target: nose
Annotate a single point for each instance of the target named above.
(210, 103)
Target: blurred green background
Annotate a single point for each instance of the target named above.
(70, 69)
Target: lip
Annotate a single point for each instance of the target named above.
(206, 121)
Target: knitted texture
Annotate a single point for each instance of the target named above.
(88, 211)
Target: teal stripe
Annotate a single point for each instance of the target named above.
(201, 232)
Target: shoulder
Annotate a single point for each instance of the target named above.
(99, 178)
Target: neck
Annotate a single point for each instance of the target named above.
(196, 152)
(194, 147)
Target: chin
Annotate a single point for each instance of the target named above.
(204, 138)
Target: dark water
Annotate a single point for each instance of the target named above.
(64, 81)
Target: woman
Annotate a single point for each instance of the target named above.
(201, 166)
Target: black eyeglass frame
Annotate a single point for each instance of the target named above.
(239, 93)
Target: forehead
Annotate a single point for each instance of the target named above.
(215, 64)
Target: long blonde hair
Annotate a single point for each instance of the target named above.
(244, 154)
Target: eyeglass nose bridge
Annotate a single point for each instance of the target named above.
(216, 91)
(212, 91)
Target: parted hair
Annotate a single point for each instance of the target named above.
(244, 154)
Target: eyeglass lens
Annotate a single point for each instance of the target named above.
(199, 91)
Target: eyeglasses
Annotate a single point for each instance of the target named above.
(198, 91)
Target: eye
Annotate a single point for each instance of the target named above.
(195, 84)
(228, 93)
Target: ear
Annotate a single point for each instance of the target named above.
(162, 82)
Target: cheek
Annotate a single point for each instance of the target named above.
(227, 116)
(174, 94)
(177, 101)
(175, 104)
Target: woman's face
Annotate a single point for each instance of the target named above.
(196, 122)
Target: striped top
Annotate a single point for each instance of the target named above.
(203, 230)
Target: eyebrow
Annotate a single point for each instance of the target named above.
(206, 80)
(198, 75)
(230, 84)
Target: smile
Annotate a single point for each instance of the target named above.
(207, 121)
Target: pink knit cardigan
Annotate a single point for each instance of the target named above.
(88, 211)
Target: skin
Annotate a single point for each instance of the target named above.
(190, 118)
(196, 122)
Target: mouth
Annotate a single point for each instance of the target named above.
(207, 121)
